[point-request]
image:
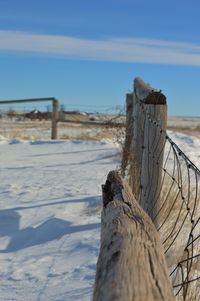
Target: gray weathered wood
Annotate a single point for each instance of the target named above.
(152, 160)
(143, 96)
(131, 264)
(129, 134)
(54, 131)
(137, 147)
(147, 147)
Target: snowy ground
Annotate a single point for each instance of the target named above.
(50, 196)
(190, 145)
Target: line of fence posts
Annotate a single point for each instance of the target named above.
(131, 264)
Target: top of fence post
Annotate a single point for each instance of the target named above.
(146, 94)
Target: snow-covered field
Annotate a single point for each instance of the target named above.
(50, 196)
(190, 145)
(50, 203)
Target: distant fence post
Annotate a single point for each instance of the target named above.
(54, 130)
(147, 146)
(131, 264)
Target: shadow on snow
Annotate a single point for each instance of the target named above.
(50, 230)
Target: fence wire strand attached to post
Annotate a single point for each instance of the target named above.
(178, 216)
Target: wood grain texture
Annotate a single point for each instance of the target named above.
(54, 131)
(144, 97)
(152, 160)
(137, 147)
(129, 134)
(131, 264)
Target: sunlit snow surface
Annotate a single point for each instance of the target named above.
(50, 198)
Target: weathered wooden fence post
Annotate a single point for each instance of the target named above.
(137, 147)
(147, 139)
(54, 131)
(129, 134)
(131, 265)
(153, 152)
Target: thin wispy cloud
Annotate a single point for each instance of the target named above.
(138, 50)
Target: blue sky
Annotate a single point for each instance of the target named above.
(87, 52)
